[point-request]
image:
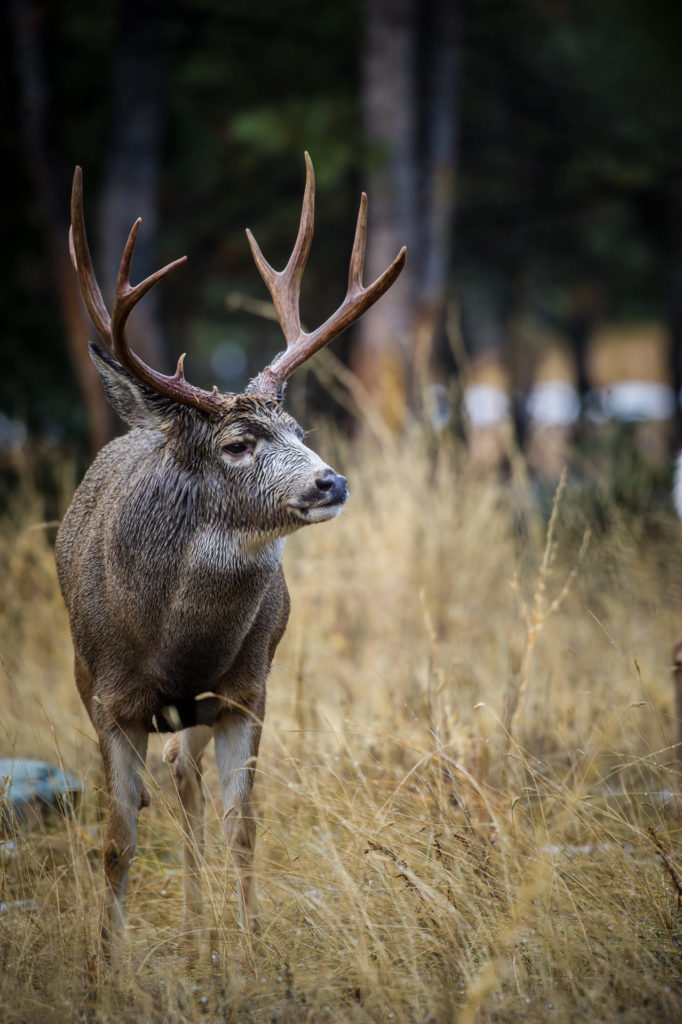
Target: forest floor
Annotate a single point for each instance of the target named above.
(468, 796)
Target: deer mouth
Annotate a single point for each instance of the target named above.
(327, 507)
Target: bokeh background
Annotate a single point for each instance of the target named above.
(529, 154)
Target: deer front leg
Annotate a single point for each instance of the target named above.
(237, 737)
(182, 753)
(124, 749)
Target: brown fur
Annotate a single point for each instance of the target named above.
(169, 560)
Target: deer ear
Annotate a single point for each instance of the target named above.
(136, 404)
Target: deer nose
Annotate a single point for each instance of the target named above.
(333, 485)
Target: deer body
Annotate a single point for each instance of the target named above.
(160, 544)
(169, 560)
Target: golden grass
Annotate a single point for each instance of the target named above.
(468, 798)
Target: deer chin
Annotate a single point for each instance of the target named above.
(317, 513)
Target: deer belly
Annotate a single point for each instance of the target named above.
(185, 712)
(188, 677)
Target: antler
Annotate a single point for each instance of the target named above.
(112, 329)
(285, 288)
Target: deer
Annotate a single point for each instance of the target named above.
(169, 560)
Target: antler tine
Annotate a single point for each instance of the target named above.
(82, 262)
(357, 256)
(285, 290)
(112, 329)
(352, 308)
(285, 285)
(127, 297)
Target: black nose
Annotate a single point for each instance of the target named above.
(333, 485)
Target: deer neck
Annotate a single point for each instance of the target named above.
(235, 551)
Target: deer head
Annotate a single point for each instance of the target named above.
(249, 452)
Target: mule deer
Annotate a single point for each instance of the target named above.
(169, 558)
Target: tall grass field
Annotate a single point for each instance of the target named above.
(468, 793)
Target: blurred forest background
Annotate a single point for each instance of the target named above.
(528, 153)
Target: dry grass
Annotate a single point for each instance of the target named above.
(468, 800)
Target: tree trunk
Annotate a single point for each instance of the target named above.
(440, 55)
(129, 189)
(380, 357)
(52, 193)
(409, 91)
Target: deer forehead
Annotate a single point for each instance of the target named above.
(257, 418)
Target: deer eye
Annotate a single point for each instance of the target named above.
(238, 447)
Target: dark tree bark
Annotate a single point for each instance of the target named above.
(128, 191)
(409, 92)
(388, 96)
(52, 192)
(130, 186)
(440, 50)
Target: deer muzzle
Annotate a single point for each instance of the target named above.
(323, 497)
